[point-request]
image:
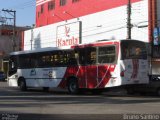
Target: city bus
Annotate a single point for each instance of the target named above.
(93, 66)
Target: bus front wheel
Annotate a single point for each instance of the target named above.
(22, 85)
(130, 91)
(73, 86)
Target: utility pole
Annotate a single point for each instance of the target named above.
(32, 35)
(129, 25)
(13, 14)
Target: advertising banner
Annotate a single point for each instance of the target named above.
(156, 36)
(68, 34)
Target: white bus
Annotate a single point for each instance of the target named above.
(99, 65)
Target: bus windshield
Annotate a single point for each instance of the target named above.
(133, 50)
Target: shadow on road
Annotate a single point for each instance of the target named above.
(56, 97)
(37, 97)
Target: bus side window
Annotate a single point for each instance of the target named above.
(71, 57)
(138, 51)
(80, 54)
(57, 58)
(60, 58)
(126, 53)
(56, 62)
(91, 55)
(24, 61)
(33, 61)
(40, 60)
(46, 59)
(135, 52)
(106, 54)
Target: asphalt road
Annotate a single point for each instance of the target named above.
(59, 105)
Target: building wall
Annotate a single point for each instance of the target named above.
(96, 25)
(6, 43)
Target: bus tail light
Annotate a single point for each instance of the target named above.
(122, 74)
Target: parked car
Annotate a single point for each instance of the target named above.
(2, 76)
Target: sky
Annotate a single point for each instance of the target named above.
(25, 11)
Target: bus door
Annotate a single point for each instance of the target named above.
(91, 67)
(12, 73)
(80, 73)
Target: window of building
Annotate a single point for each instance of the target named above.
(38, 14)
(63, 2)
(73, 1)
(42, 8)
(51, 5)
(5, 32)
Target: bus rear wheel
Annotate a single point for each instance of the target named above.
(22, 85)
(96, 91)
(158, 92)
(130, 91)
(73, 86)
(45, 89)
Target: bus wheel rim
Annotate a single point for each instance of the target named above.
(73, 87)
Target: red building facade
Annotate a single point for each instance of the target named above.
(53, 11)
(87, 21)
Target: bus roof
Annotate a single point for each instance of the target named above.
(37, 50)
(65, 47)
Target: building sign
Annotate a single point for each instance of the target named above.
(156, 35)
(68, 34)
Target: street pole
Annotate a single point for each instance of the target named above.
(13, 14)
(32, 36)
(14, 34)
(129, 25)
